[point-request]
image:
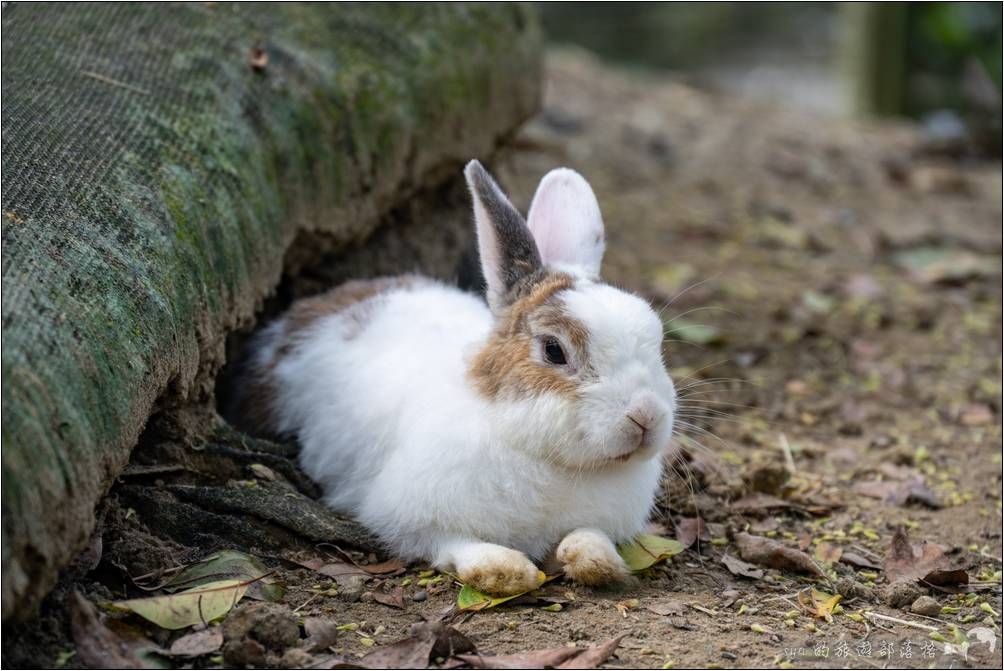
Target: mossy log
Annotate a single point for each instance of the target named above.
(159, 163)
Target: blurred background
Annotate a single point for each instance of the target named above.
(937, 62)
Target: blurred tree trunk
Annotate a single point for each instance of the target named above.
(873, 55)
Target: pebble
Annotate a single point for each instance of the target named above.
(351, 589)
(901, 593)
(420, 596)
(926, 605)
(852, 589)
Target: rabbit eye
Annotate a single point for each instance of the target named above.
(553, 352)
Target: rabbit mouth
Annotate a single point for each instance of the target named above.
(621, 458)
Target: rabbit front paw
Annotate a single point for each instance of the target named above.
(500, 571)
(590, 558)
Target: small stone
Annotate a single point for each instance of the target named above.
(901, 593)
(976, 414)
(255, 633)
(852, 589)
(366, 597)
(420, 596)
(350, 589)
(295, 658)
(322, 633)
(926, 605)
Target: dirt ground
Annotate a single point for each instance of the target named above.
(832, 295)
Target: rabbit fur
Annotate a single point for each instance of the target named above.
(483, 436)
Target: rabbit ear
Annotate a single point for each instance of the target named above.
(509, 256)
(566, 223)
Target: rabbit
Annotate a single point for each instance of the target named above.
(483, 435)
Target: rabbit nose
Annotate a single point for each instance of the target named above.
(645, 412)
(641, 421)
(642, 431)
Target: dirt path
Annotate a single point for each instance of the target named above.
(838, 290)
(832, 296)
(848, 280)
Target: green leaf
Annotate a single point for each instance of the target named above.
(817, 302)
(647, 550)
(471, 599)
(699, 334)
(184, 609)
(229, 565)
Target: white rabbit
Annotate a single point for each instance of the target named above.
(479, 437)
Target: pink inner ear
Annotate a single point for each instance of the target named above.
(566, 223)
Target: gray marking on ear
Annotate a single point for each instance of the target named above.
(509, 257)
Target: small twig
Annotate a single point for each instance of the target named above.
(928, 617)
(784, 597)
(791, 603)
(789, 460)
(888, 618)
(879, 626)
(867, 553)
(114, 82)
(991, 557)
(312, 597)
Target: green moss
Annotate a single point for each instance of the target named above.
(147, 216)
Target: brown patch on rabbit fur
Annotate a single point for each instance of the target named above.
(254, 403)
(506, 365)
(306, 311)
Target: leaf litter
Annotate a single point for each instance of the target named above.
(925, 562)
(647, 550)
(228, 565)
(98, 646)
(770, 553)
(198, 605)
(565, 657)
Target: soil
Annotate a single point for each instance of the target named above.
(832, 295)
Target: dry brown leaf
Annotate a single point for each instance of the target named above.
(98, 646)
(765, 525)
(828, 553)
(665, 608)
(741, 568)
(907, 561)
(334, 568)
(899, 493)
(389, 566)
(689, 530)
(593, 656)
(198, 643)
(857, 561)
(754, 502)
(925, 562)
(551, 658)
(537, 659)
(946, 577)
(393, 598)
(770, 553)
(428, 639)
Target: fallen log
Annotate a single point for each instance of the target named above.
(163, 166)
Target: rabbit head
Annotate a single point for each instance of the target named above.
(573, 367)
